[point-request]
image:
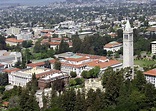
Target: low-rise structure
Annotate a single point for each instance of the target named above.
(153, 47)
(113, 46)
(151, 76)
(55, 42)
(93, 84)
(47, 81)
(1, 67)
(78, 62)
(8, 59)
(13, 30)
(42, 63)
(22, 77)
(25, 36)
(13, 41)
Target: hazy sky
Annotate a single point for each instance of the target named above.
(33, 2)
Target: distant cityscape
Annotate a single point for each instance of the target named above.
(78, 55)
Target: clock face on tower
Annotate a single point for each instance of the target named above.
(126, 37)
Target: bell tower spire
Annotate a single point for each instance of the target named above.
(128, 59)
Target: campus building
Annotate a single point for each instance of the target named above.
(8, 59)
(22, 77)
(153, 47)
(151, 76)
(113, 46)
(78, 62)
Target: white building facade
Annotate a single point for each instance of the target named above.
(113, 46)
(151, 76)
(22, 77)
(153, 47)
(8, 59)
(78, 62)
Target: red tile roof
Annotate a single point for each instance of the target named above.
(151, 72)
(14, 40)
(102, 64)
(1, 65)
(59, 39)
(73, 65)
(89, 56)
(56, 39)
(70, 43)
(36, 64)
(5, 103)
(46, 31)
(52, 61)
(9, 70)
(112, 34)
(54, 43)
(77, 59)
(103, 58)
(40, 63)
(48, 35)
(152, 29)
(111, 45)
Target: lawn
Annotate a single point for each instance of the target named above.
(144, 62)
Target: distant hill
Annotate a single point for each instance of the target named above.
(81, 1)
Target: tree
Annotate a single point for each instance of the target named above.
(18, 64)
(33, 104)
(68, 100)
(2, 43)
(57, 65)
(106, 75)
(91, 96)
(33, 84)
(96, 71)
(27, 44)
(14, 102)
(79, 81)
(28, 101)
(24, 105)
(45, 101)
(47, 64)
(73, 74)
(58, 85)
(139, 81)
(27, 56)
(76, 43)
(51, 53)
(54, 109)
(63, 47)
(80, 102)
(72, 82)
(85, 74)
(3, 79)
(120, 33)
(112, 87)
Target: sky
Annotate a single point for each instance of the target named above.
(29, 2)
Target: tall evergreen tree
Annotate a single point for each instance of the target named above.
(57, 65)
(2, 43)
(63, 47)
(76, 43)
(68, 100)
(80, 102)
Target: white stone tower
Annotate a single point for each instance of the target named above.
(128, 59)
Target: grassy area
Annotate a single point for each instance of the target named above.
(144, 62)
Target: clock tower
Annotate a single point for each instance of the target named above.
(128, 59)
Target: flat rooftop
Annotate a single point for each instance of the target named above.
(68, 55)
(42, 60)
